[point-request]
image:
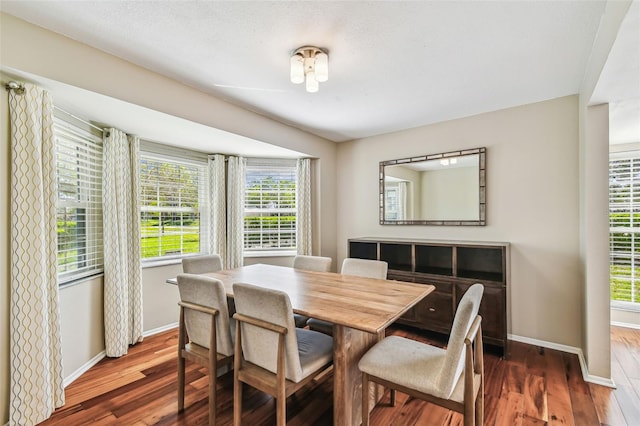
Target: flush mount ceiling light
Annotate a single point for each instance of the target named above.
(310, 65)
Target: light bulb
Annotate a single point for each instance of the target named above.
(454, 160)
(297, 69)
(322, 67)
(312, 83)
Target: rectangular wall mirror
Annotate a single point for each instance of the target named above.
(437, 189)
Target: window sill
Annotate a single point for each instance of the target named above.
(176, 261)
(625, 306)
(81, 280)
(161, 262)
(278, 253)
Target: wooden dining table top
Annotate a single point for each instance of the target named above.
(366, 304)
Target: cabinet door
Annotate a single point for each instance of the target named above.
(492, 310)
(435, 312)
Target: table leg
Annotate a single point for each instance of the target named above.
(348, 347)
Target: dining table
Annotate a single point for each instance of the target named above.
(359, 308)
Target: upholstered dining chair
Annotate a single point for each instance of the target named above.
(358, 267)
(312, 263)
(452, 378)
(309, 263)
(205, 332)
(201, 264)
(272, 355)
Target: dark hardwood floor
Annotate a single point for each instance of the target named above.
(533, 386)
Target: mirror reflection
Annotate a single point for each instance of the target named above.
(436, 189)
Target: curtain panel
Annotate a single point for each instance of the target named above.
(235, 211)
(121, 227)
(36, 372)
(217, 206)
(303, 206)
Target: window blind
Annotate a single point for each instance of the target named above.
(624, 228)
(79, 201)
(270, 205)
(173, 202)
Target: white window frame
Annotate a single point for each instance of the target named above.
(79, 148)
(264, 165)
(167, 155)
(631, 204)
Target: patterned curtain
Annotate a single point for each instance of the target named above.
(217, 206)
(303, 205)
(121, 227)
(36, 382)
(235, 212)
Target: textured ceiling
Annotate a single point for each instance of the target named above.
(392, 65)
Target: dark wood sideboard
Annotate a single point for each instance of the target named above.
(452, 267)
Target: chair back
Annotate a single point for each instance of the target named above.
(454, 359)
(365, 268)
(312, 263)
(202, 264)
(259, 346)
(208, 292)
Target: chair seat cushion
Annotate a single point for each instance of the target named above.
(315, 349)
(406, 362)
(300, 320)
(321, 326)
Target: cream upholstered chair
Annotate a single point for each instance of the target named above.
(205, 331)
(272, 355)
(312, 263)
(365, 268)
(358, 267)
(202, 264)
(309, 263)
(452, 378)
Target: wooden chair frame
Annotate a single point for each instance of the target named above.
(200, 355)
(275, 385)
(472, 407)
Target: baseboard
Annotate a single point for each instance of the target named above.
(159, 329)
(625, 324)
(603, 381)
(83, 369)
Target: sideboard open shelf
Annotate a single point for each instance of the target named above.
(452, 267)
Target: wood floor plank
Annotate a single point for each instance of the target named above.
(584, 411)
(384, 413)
(490, 409)
(533, 386)
(607, 406)
(535, 398)
(510, 410)
(629, 404)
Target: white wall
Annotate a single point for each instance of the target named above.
(81, 325)
(27, 48)
(626, 318)
(160, 300)
(595, 165)
(594, 191)
(532, 196)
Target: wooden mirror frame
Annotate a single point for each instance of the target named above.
(481, 221)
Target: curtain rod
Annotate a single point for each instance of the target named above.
(100, 129)
(19, 88)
